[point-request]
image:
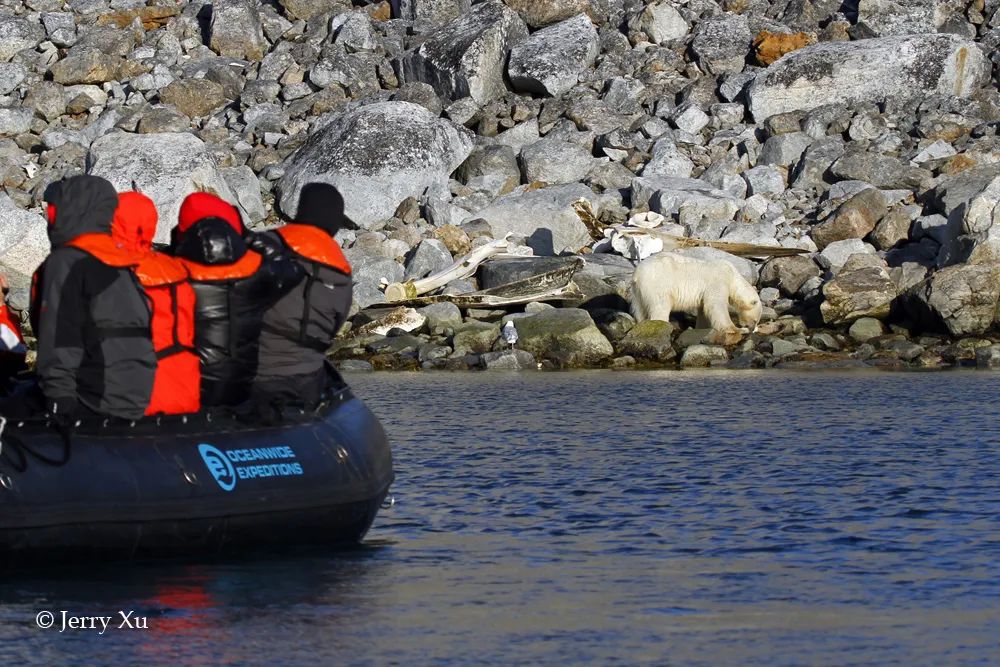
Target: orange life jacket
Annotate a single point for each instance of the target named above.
(244, 267)
(165, 282)
(314, 245)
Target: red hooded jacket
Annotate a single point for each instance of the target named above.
(165, 281)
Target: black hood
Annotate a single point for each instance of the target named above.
(211, 241)
(321, 205)
(84, 205)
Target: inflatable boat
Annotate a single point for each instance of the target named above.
(198, 485)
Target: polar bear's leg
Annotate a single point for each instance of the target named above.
(660, 309)
(703, 321)
(715, 309)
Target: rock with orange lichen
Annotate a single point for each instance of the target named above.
(769, 46)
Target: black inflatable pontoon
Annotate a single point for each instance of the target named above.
(200, 485)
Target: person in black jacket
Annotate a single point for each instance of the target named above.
(92, 322)
(299, 329)
(234, 286)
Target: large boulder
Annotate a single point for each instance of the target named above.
(853, 294)
(722, 43)
(854, 219)
(236, 29)
(166, 167)
(567, 336)
(554, 161)
(377, 155)
(971, 202)
(24, 240)
(869, 71)
(86, 66)
(546, 217)
(960, 300)
(551, 60)
(466, 57)
(18, 34)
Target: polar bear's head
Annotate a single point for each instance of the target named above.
(745, 300)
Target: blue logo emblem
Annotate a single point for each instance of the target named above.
(220, 467)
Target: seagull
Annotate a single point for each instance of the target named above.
(510, 333)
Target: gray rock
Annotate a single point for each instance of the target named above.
(868, 71)
(722, 43)
(550, 61)
(86, 66)
(788, 274)
(430, 13)
(854, 219)
(520, 135)
(48, 99)
(369, 271)
(988, 357)
(489, 161)
(902, 17)
(165, 167)
(163, 119)
(355, 366)
(555, 162)
(567, 336)
(702, 356)
(784, 150)
(835, 255)
(690, 118)
(971, 201)
(503, 270)
(466, 57)
(354, 32)
(441, 316)
(662, 22)
(18, 34)
(764, 179)
(540, 13)
(652, 339)
(377, 155)
(508, 360)
(812, 169)
(11, 76)
(894, 228)
(244, 185)
(475, 337)
(692, 201)
(881, 171)
(667, 160)
(14, 121)
(236, 29)
(865, 328)
(24, 240)
(865, 292)
(545, 217)
(194, 97)
(959, 300)
(420, 93)
(430, 256)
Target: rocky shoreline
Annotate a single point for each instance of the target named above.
(864, 134)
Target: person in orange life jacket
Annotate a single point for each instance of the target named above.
(299, 329)
(88, 312)
(165, 282)
(12, 347)
(233, 286)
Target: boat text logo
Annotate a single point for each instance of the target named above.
(229, 465)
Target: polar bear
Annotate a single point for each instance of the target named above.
(667, 282)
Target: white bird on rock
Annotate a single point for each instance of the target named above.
(510, 333)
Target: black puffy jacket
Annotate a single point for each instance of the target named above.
(91, 318)
(234, 286)
(300, 328)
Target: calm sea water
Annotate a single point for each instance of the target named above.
(608, 518)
